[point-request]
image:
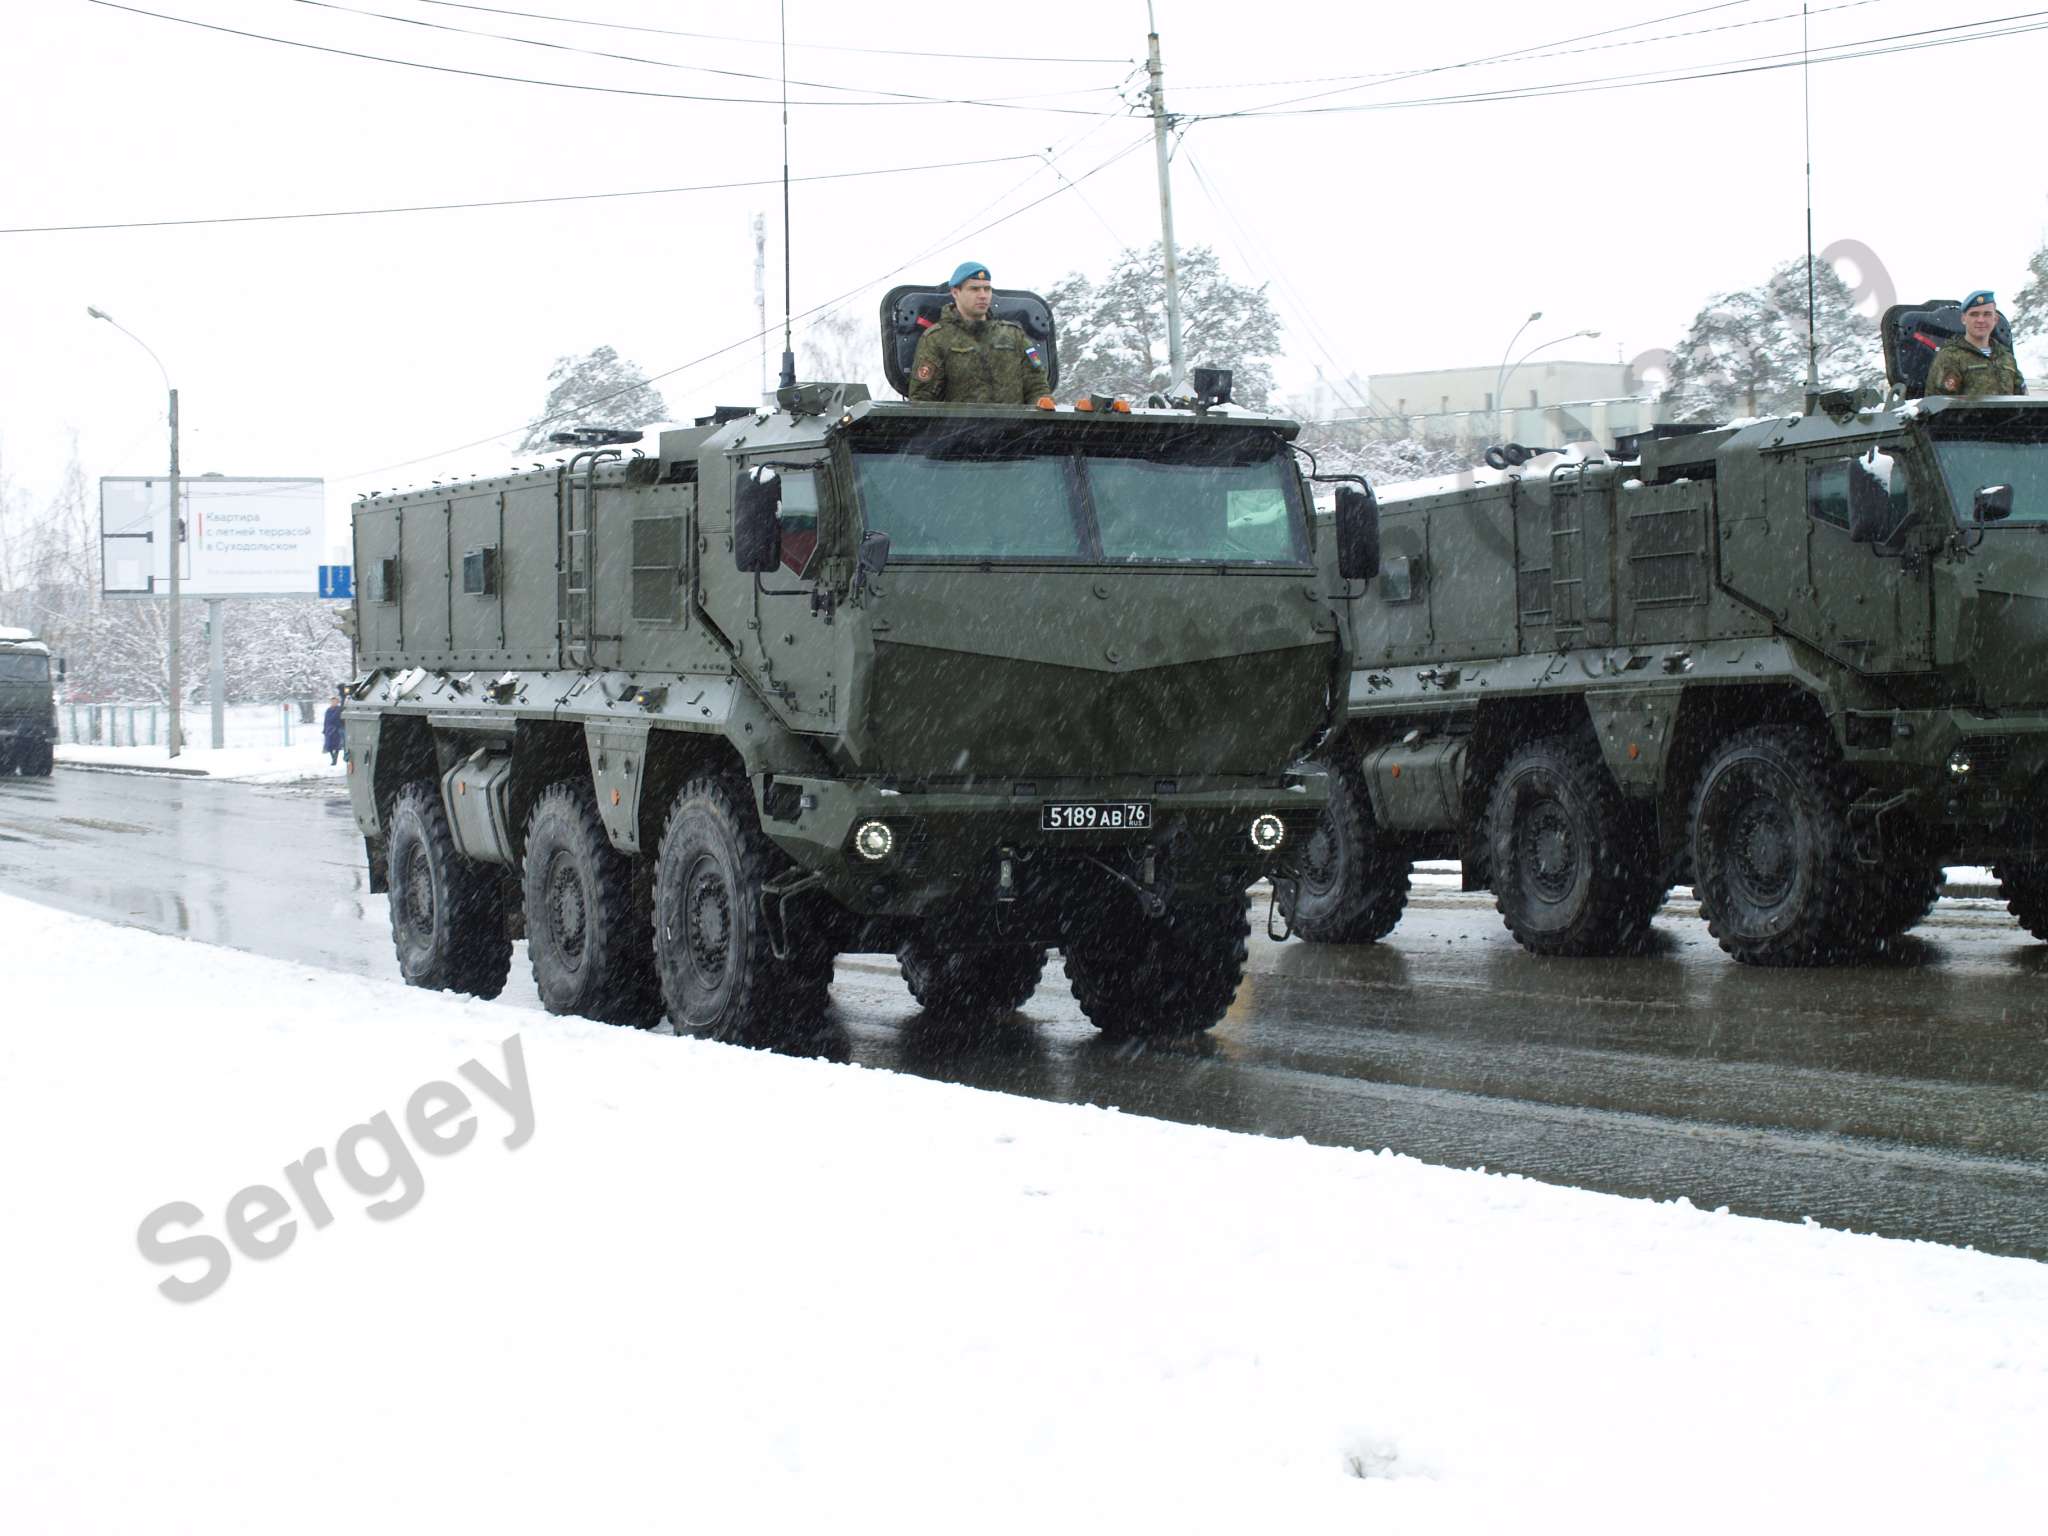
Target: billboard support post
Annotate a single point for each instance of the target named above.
(216, 671)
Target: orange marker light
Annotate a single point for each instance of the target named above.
(1084, 405)
(615, 797)
(1120, 404)
(1397, 770)
(1046, 403)
(1634, 751)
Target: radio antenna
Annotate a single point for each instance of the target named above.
(788, 380)
(1812, 330)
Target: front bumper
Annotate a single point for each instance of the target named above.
(1977, 779)
(951, 845)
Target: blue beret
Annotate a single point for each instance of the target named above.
(1981, 296)
(967, 270)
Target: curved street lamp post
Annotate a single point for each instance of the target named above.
(1502, 378)
(177, 540)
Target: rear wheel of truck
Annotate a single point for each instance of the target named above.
(1771, 851)
(973, 983)
(1351, 889)
(586, 936)
(39, 761)
(447, 914)
(2025, 889)
(1898, 898)
(719, 972)
(1160, 978)
(1573, 871)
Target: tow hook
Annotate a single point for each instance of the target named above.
(1282, 930)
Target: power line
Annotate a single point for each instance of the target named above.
(1528, 58)
(1875, 47)
(769, 42)
(633, 58)
(752, 337)
(505, 202)
(566, 85)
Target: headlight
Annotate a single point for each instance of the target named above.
(874, 840)
(1267, 832)
(1959, 764)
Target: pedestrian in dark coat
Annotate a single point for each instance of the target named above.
(330, 731)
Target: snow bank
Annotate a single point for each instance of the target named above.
(247, 765)
(722, 1290)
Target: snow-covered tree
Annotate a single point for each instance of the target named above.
(1112, 334)
(1745, 354)
(841, 348)
(2030, 308)
(599, 389)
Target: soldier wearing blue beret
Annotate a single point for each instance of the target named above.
(971, 357)
(1976, 362)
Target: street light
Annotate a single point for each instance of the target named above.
(1508, 350)
(1501, 390)
(177, 735)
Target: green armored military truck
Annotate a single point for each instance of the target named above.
(958, 683)
(28, 705)
(1802, 662)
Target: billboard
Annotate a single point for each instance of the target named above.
(245, 536)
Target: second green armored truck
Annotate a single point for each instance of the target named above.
(1801, 662)
(961, 683)
(28, 705)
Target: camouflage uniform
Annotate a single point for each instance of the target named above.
(1960, 369)
(983, 362)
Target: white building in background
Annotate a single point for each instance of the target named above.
(1542, 404)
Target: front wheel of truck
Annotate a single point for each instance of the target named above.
(447, 916)
(719, 971)
(1352, 889)
(1573, 871)
(38, 760)
(2025, 889)
(1772, 861)
(970, 984)
(1160, 978)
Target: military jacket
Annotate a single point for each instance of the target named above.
(985, 362)
(1960, 369)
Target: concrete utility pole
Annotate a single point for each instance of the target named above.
(177, 540)
(1174, 363)
(761, 291)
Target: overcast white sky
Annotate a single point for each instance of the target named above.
(1400, 236)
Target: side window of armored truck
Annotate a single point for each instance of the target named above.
(799, 518)
(1827, 488)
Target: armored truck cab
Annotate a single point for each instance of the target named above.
(28, 705)
(1804, 660)
(963, 683)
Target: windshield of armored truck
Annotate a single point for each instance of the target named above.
(1152, 498)
(1970, 464)
(17, 667)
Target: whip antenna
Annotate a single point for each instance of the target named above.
(788, 380)
(1812, 330)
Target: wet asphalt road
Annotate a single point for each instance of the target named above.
(1908, 1097)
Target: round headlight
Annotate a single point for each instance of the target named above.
(873, 840)
(1959, 763)
(1267, 832)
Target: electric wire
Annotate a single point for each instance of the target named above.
(754, 336)
(505, 202)
(633, 58)
(769, 42)
(569, 85)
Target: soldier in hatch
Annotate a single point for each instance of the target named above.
(1976, 362)
(969, 358)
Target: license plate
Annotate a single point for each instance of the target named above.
(1095, 816)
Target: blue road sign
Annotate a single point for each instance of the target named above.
(337, 581)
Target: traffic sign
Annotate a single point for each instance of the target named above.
(337, 581)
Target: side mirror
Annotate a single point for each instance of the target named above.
(60, 669)
(756, 521)
(1993, 503)
(1358, 533)
(1870, 507)
(873, 559)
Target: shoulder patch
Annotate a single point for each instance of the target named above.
(924, 370)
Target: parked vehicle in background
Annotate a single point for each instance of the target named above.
(28, 704)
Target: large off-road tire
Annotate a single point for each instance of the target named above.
(1772, 861)
(1351, 888)
(2025, 889)
(1574, 869)
(447, 913)
(1163, 977)
(973, 983)
(38, 759)
(587, 937)
(719, 972)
